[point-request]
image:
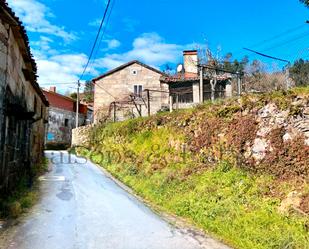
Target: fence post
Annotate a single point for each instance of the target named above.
(148, 102)
(201, 86)
(287, 77)
(114, 118)
(171, 103)
(238, 84)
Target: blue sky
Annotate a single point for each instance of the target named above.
(156, 32)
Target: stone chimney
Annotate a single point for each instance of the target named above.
(52, 89)
(190, 60)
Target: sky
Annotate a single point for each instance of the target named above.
(156, 32)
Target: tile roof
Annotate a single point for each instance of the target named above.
(189, 77)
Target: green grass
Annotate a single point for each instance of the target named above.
(23, 197)
(225, 200)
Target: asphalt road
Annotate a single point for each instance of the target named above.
(81, 207)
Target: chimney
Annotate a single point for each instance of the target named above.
(52, 89)
(190, 60)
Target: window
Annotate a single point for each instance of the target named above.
(66, 122)
(138, 89)
(134, 72)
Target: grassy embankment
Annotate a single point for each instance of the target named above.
(187, 163)
(23, 197)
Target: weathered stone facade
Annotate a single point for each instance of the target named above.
(61, 120)
(118, 84)
(22, 104)
(81, 136)
(59, 130)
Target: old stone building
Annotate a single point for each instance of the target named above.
(61, 119)
(22, 104)
(120, 93)
(186, 87)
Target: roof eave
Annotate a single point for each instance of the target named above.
(127, 65)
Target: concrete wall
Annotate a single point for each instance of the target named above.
(119, 85)
(22, 111)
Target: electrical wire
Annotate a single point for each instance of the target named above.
(96, 39)
(102, 36)
(289, 31)
(278, 45)
(267, 56)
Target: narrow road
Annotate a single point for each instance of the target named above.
(81, 207)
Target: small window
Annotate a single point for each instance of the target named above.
(138, 89)
(66, 122)
(134, 72)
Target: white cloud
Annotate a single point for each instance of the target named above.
(64, 68)
(95, 23)
(112, 44)
(149, 48)
(130, 24)
(34, 15)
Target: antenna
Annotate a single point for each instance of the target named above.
(180, 68)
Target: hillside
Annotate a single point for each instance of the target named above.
(237, 168)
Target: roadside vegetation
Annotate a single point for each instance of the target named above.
(24, 196)
(191, 163)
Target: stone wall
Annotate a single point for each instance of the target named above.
(270, 117)
(22, 106)
(119, 85)
(60, 125)
(81, 136)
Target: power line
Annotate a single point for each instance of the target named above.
(96, 40)
(278, 35)
(103, 33)
(57, 83)
(305, 34)
(265, 55)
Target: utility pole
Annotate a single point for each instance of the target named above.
(77, 105)
(287, 77)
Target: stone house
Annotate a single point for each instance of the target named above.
(61, 119)
(22, 104)
(186, 87)
(121, 92)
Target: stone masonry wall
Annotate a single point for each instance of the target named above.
(81, 136)
(119, 85)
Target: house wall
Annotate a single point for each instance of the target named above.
(22, 112)
(119, 85)
(62, 108)
(58, 132)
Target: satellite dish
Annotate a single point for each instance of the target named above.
(180, 68)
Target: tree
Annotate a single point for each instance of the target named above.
(306, 2)
(299, 72)
(89, 92)
(218, 65)
(73, 96)
(168, 69)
